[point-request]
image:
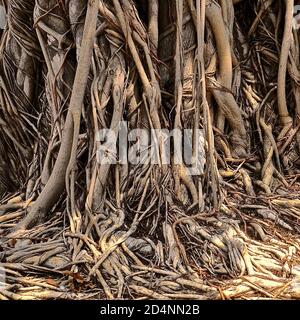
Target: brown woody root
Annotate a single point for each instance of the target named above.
(73, 221)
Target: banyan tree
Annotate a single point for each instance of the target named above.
(74, 225)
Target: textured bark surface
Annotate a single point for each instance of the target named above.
(69, 219)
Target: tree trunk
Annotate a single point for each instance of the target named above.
(162, 132)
